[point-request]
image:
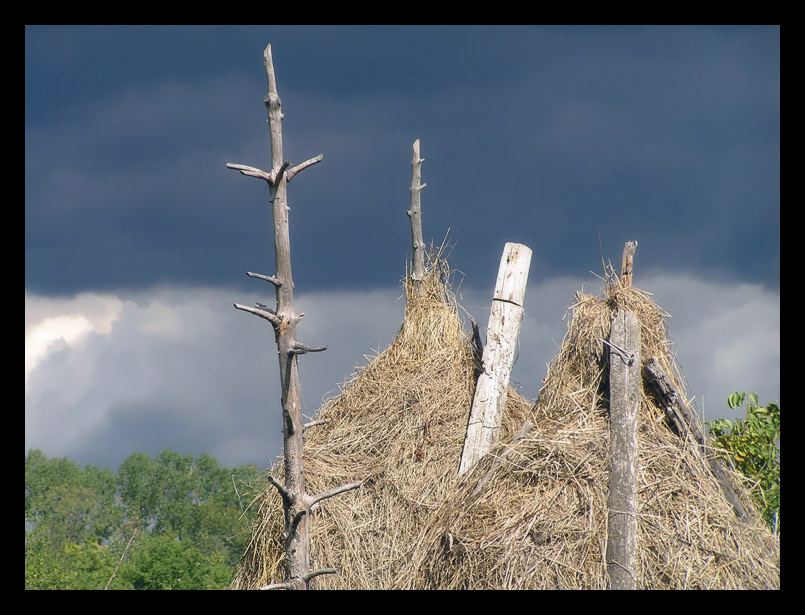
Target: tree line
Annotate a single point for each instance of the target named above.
(167, 522)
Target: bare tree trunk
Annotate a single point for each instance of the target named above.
(498, 355)
(296, 501)
(624, 403)
(415, 214)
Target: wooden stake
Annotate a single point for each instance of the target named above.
(627, 265)
(686, 425)
(624, 402)
(415, 214)
(498, 355)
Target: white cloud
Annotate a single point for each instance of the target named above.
(42, 337)
(181, 369)
(52, 325)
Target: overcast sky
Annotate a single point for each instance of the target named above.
(571, 140)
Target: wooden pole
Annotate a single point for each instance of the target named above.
(296, 501)
(624, 403)
(627, 265)
(415, 214)
(505, 318)
(686, 425)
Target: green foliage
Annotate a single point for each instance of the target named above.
(68, 503)
(161, 561)
(68, 565)
(752, 445)
(191, 530)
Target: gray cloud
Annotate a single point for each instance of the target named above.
(182, 369)
(546, 136)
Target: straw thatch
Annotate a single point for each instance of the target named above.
(399, 426)
(532, 514)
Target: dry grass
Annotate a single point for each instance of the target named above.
(399, 426)
(540, 520)
(532, 514)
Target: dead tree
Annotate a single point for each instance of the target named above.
(415, 214)
(297, 502)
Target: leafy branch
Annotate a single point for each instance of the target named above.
(752, 447)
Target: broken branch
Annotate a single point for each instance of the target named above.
(302, 166)
(333, 492)
(251, 171)
(299, 348)
(284, 493)
(269, 316)
(268, 278)
(315, 423)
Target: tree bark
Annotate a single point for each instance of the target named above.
(624, 403)
(505, 318)
(296, 501)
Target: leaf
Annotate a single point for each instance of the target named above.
(735, 400)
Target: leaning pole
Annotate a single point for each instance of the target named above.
(491, 389)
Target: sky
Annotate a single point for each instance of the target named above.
(569, 139)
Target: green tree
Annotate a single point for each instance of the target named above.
(139, 491)
(193, 499)
(70, 514)
(74, 503)
(186, 511)
(752, 446)
(162, 561)
(85, 565)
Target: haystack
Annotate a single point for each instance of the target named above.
(533, 513)
(398, 425)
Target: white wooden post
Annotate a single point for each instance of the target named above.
(498, 357)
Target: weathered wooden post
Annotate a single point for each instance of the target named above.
(415, 214)
(627, 263)
(296, 501)
(625, 392)
(505, 318)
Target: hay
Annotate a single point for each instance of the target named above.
(532, 515)
(399, 426)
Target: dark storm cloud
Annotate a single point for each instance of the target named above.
(547, 136)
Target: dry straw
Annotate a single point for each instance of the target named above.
(539, 520)
(398, 425)
(532, 514)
